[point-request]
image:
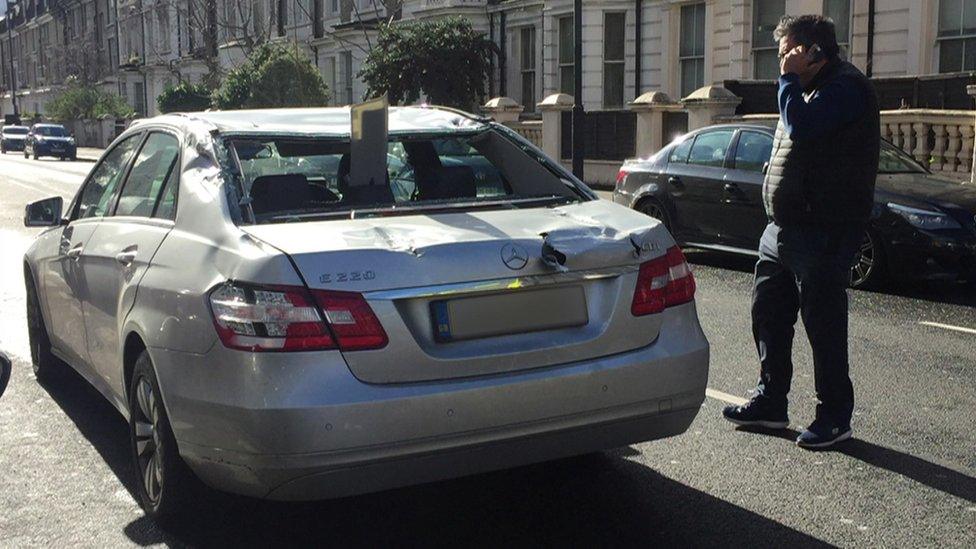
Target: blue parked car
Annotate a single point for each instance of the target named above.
(12, 138)
(50, 140)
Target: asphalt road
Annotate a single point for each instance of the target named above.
(908, 479)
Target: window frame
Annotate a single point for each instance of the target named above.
(756, 50)
(621, 62)
(843, 42)
(147, 134)
(942, 37)
(560, 63)
(528, 74)
(699, 58)
(730, 148)
(140, 136)
(733, 155)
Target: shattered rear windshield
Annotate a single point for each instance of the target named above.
(291, 179)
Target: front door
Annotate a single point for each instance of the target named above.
(66, 285)
(120, 252)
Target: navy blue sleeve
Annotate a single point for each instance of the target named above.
(834, 105)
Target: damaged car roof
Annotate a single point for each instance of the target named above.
(324, 121)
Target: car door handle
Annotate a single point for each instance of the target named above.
(127, 256)
(732, 188)
(75, 253)
(675, 180)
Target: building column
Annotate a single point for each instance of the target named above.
(650, 108)
(706, 104)
(552, 109)
(503, 109)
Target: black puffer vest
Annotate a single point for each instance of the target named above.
(828, 181)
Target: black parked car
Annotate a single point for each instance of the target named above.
(707, 188)
(50, 140)
(12, 138)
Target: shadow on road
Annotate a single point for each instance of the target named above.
(590, 500)
(936, 291)
(922, 471)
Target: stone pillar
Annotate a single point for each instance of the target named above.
(705, 104)
(650, 108)
(552, 108)
(503, 110)
(972, 171)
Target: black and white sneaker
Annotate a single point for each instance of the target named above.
(757, 413)
(823, 433)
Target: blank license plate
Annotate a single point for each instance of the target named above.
(508, 313)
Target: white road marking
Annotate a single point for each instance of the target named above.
(949, 327)
(725, 397)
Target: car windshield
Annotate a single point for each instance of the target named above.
(15, 131)
(50, 131)
(291, 179)
(894, 160)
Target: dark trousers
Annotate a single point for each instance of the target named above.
(805, 270)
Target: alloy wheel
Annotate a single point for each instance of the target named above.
(147, 433)
(864, 265)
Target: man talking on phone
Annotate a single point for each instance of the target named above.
(818, 194)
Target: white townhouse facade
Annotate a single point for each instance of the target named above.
(629, 46)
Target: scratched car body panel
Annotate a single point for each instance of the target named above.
(314, 336)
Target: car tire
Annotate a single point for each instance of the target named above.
(47, 367)
(166, 486)
(654, 208)
(869, 264)
(36, 156)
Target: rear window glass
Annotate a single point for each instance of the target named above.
(50, 131)
(288, 179)
(15, 131)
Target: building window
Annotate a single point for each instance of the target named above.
(282, 13)
(566, 53)
(140, 98)
(765, 51)
(527, 62)
(613, 60)
(691, 53)
(330, 79)
(840, 12)
(318, 15)
(957, 35)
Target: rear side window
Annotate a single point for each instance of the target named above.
(710, 148)
(153, 168)
(753, 151)
(96, 198)
(679, 154)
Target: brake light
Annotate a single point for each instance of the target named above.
(289, 318)
(663, 282)
(621, 176)
(352, 320)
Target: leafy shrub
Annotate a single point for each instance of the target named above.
(84, 101)
(184, 97)
(272, 76)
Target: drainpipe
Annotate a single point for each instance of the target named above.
(869, 64)
(578, 121)
(13, 76)
(503, 57)
(638, 39)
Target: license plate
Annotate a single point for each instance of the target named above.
(508, 313)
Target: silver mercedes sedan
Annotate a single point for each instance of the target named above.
(277, 325)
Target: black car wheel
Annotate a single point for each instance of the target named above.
(36, 156)
(47, 367)
(869, 263)
(166, 484)
(653, 208)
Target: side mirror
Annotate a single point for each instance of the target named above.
(44, 213)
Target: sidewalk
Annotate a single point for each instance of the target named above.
(89, 154)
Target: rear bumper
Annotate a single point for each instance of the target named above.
(297, 426)
(931, 256)
(11, 145)
(66, 151)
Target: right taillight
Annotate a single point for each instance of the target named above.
(663, 282)
(289, 318)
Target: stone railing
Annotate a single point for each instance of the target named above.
(939, 139)
(530, 129)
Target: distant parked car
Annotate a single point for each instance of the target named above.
(12, 138)
(50, 140)
(707, 188)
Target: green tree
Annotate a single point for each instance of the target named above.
(444, 59)
(184, 97)
(78, 101)
(272, 76)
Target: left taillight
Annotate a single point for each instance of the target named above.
(663, 282)
(289, 318)
(621, 177)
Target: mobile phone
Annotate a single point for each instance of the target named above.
(814, 54)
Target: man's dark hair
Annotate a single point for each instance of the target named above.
(808, 30)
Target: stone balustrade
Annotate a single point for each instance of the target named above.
(942, 140)
(529, 129)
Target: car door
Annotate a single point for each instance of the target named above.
(123, 246)
(64, 283)
(696, 184)
(745, 215)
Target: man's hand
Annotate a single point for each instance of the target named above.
(795, 61)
